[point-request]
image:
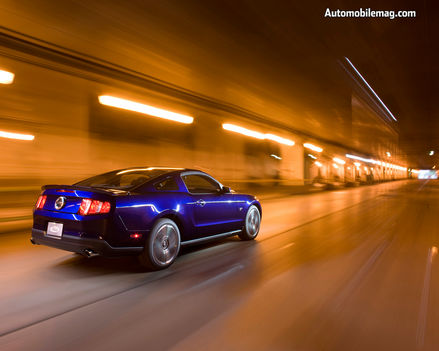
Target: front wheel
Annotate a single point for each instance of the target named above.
(252, 224)
(162, 245)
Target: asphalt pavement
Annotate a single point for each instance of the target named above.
(355, 269)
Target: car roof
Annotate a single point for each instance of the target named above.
(166, 169)
(169, 171)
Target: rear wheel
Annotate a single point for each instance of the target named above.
(162, 245)
(252, 224)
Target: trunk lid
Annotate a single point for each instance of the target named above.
(68, 198)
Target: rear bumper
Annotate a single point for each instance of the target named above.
(80, 245)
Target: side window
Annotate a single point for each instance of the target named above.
(199, 184)
(131, 180)
(167, 184)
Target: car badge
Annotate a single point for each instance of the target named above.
(60, 202)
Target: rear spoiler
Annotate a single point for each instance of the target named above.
(86, 188)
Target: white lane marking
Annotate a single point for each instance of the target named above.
(234, 268)
(423, 308)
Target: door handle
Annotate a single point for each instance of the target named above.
(201, 203)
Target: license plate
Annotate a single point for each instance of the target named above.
(54, 229)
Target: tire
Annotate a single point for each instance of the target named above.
(162, 245)
(252, 224)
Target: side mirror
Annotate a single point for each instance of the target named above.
(226, 190)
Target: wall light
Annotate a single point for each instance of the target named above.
(6, 77)
(243, 131)
(279, 139)
(145, 109)
(16, 136)
(339, 161)
(313, 147)
(257, 135)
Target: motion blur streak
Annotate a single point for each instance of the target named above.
(373, 91)
(257, 135)
(145, 109)
(17, 136)
(279, 139)
(243, 131)
(313, 147)
(423, 309)
(6, 77)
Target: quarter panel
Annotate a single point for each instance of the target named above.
(138, 213)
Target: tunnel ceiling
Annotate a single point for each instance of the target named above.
(278, 58)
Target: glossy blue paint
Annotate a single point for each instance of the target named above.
(135, 209)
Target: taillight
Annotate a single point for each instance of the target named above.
(89, 207)
(40, 202)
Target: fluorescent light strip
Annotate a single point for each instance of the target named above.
(145, 109)
(339, 161)
(313, 147)
(375, 162)
(369, 160)
(6, 77)
(279, 139)
(243, 131)
(16, 136)
(376, 95)
(257, 135)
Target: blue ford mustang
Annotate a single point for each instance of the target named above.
(146, 211)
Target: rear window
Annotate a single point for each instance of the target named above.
(124, 179)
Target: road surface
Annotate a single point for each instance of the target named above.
(353, 269)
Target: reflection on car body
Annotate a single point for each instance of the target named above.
(146, 211)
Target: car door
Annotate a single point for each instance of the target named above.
(213, 212)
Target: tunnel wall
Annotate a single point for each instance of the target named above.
(76, 137)
(65, 57)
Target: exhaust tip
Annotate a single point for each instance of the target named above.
(90, 253)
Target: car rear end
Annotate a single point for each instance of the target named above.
(79, 219)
